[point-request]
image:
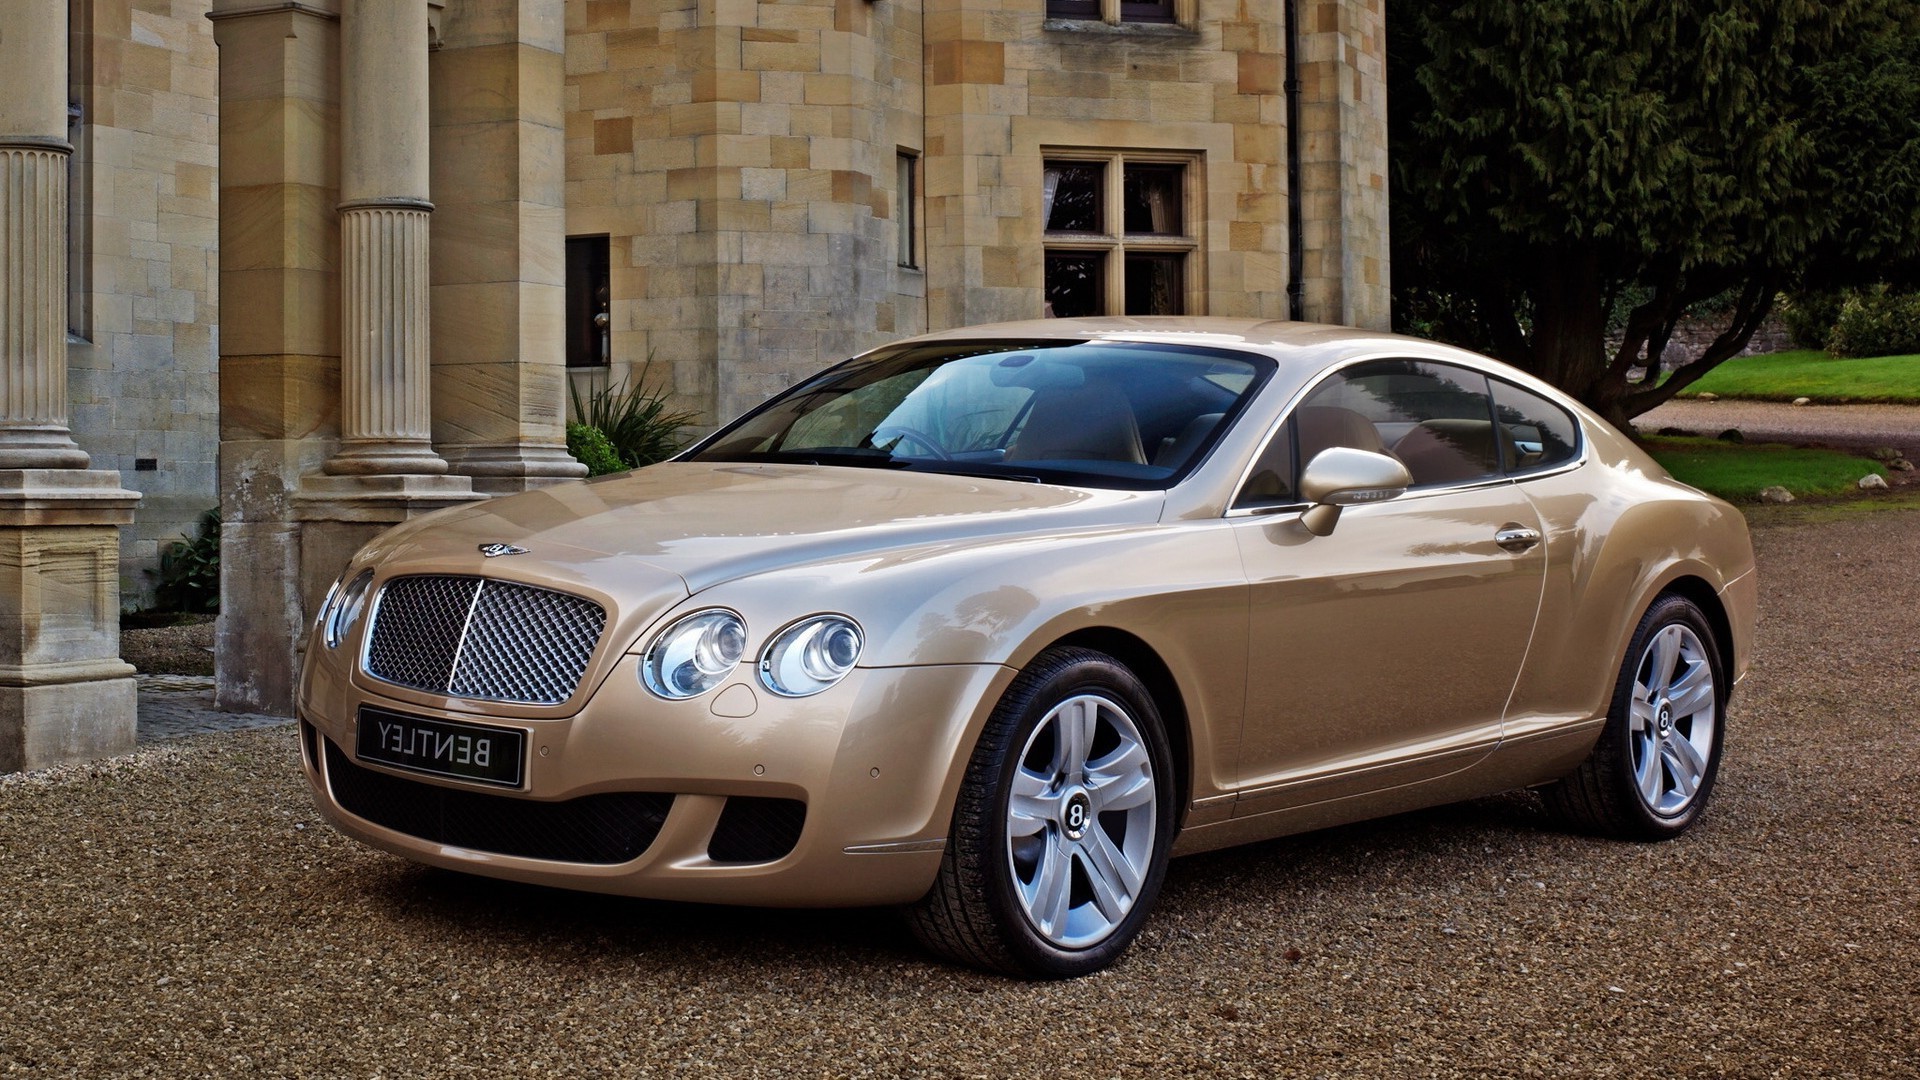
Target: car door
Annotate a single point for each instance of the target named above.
(1384, 653)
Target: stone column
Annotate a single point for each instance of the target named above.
(1343, 166)
(385, 417)
(64, 692)
(499, 244)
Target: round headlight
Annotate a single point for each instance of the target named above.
(693, 655)
(343, 609)
(810, 655)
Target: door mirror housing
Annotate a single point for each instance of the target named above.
(1344, 476)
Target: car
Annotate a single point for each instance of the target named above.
(989, 624)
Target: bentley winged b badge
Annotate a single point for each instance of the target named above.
(495, 550)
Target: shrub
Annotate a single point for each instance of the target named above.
(190, 570)
(591, 448)
(1877, 322)
(1809, 316)
(635, 419)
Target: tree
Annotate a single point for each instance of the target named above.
(1560, 164)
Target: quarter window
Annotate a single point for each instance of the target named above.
(1538, 433)
(1120, 233)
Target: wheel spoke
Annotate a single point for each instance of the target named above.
(1028, 810)
(1687, 766)
(1051, 890)
(1076, 725)
(1640, 711)
(1666, 654)
(1121, 780)
(1693, 691)
(1109, 875)
(1648, 770)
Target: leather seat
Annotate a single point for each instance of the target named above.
(1090, 422)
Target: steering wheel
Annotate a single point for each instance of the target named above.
(909, 435)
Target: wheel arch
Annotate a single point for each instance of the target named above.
(1146, 664)
(1707, 599)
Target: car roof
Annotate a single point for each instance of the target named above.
(1275, 337)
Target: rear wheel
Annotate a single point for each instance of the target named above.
(1060, 835)
(1649, 776)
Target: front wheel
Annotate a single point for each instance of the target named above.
(1649, 776)
(1060, 835)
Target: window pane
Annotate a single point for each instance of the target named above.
(908, 201)
(1071, 193)
(1076, 284)
(1073, 9)
(1434, 417)
(1156, 284)
(589, 337)
(1152, 197)
(1271, 481)
(1534, 432)
(1146, 10)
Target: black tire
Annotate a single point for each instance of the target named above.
(1617, 791)
(992, 874)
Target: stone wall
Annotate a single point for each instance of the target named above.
(143, 264)
(741, 156)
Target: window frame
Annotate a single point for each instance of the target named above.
(1111, 238)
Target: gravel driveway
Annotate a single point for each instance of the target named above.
(184, 912)
(1852, 427)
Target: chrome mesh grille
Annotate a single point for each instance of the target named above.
(479, 638)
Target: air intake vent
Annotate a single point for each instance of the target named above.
(478, 638)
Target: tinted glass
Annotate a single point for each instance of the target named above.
(1076, 284)
(1435, 418)
(1537, 433)
(1073, 195)
(1156, 284)
(1121, 415)
(1271, 481)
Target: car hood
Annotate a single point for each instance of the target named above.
(708, 522)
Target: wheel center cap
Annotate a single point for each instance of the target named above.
(1663, 720)
(1076, 813)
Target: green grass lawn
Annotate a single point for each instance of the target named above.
(1783, 376)
(1736, 472)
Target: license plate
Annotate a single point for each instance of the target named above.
(488, 755)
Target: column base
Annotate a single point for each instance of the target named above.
(386, 458)
(40, 448)
(65, 694)
(508, 468)
(60, 722)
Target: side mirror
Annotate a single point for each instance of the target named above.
(1343, 476)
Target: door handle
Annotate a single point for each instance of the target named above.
(1516, 537)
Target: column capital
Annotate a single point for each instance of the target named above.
(44, 143)
(387, 202)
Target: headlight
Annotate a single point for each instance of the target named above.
(810, 655)
(693, 655)
(342, 609)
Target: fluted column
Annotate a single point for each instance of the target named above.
(386, 422)
(33, 238)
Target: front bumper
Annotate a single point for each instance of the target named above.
(873, 765)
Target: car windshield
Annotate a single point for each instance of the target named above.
(1091, 414)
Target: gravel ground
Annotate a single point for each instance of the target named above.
(1851, 427)
(184, 912)
(186, 649)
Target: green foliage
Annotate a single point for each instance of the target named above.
(1809, 316)
(591, 448)
(1555, 160)
(1877, 322)
(189, 575)
(635, 419)
(1738, 472)
(1785, 376)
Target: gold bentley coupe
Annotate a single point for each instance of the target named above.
(990, 624)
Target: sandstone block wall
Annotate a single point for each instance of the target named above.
(143, 263)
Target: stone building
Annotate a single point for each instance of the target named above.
(422, 219)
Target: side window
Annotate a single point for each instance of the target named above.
(1536, 432)
(1436, 418)
(1271, 483)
